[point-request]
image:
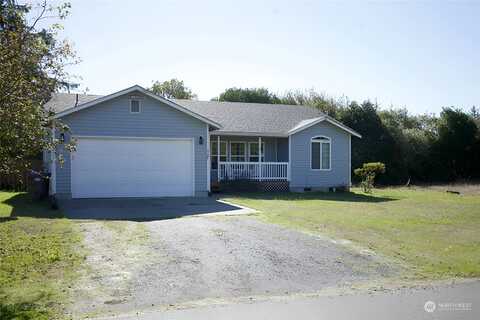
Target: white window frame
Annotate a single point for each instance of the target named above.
(261, 151)
(213, 152)
(244, 153)
(139, 105)
(312, 141)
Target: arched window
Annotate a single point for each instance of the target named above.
(320, 153)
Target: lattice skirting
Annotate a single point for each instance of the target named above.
(273, 186)
(251, 186)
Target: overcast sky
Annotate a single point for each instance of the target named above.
(422, 55)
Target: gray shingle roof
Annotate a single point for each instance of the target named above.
(62, 101)
(235, 117)
(252, 117)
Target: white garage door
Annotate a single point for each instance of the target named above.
(103, 167)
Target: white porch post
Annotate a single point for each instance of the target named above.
(289, 168)
(260, 157)
(218, 158)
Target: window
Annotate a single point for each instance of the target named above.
(320, 153)
(238, 151)
(134, 106)
(253, 151)
(214, 153)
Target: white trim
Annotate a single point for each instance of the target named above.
(139, 105)
(250, 134)
(252, 162)
(53, 167)
(321, 159)
(218, 157)
(324, 118)
(289, 169)
(226, 149)
(349, 161)
(145, 92)
(192, 140)
(255, 170)
(131, 138)
(259, 151)
(230, 150)
(209, 160)
(193, 166)
(259, 156)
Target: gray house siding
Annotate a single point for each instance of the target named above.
(282, 149)
(301, 174)
(113, 118)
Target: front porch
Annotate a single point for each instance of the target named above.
(258, 171)
(241, 158)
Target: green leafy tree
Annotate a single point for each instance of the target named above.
(413, 136)
(377, 143)
(328, 105)
(367, 174)
(454, 150)
(32, 62)
(172, 89)
(251, 95)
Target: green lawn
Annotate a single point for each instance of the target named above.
(37, 258)
(434, 234)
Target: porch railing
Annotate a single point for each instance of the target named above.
(253, 170)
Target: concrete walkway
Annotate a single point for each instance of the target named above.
(460, 301)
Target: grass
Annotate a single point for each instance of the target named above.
(434, 234)
(37, 258)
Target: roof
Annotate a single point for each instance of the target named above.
(136, 88)
(310, 122)
(62, 101)
(230, 118)
(241, 117)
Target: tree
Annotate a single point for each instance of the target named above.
(251, 95)
(453, 151)
(377, 143)
(32, 62)
(327, 105)
(172, 89)
(413, 136)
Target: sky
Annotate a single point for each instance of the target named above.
(417, 54)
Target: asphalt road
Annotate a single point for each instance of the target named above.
(459, 301)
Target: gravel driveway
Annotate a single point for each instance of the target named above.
(139, 265)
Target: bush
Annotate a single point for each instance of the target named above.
(367, 174)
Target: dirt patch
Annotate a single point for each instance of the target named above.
(136, 266)
(116, 252)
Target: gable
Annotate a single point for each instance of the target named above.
(305, 124)
(113, 116)
(136, 90)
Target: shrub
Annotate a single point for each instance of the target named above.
(367, 174)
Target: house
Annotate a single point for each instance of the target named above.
(133, 143)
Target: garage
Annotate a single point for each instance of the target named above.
(104, 167)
